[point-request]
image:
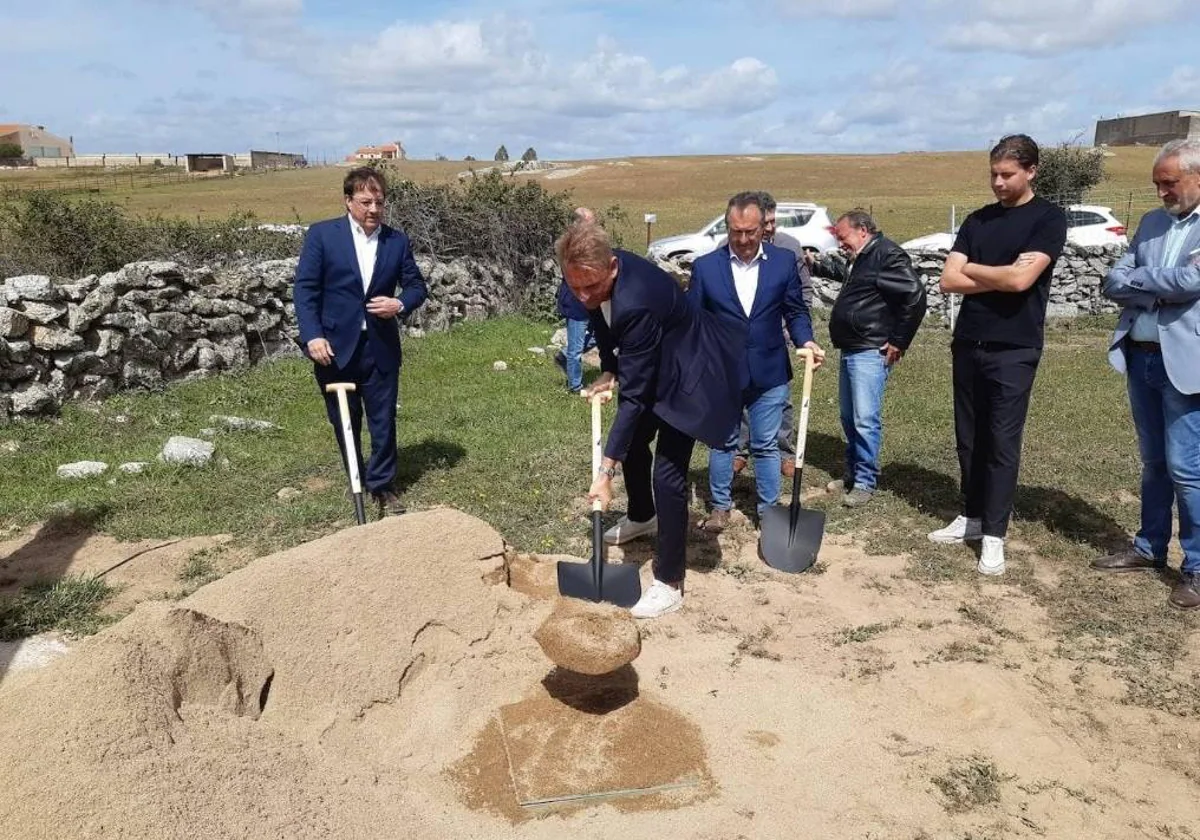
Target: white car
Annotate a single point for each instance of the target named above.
(808, 223)
(1087, 224)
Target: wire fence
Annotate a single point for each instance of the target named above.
(132, 179)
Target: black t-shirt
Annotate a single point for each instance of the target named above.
(997, 235)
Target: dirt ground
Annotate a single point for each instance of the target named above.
(384, 682)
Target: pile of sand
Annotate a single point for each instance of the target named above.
(385, 682)
(589, 638)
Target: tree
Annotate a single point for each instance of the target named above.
(440, 156)
(529, 155)
(501, 154)
(469, 157)
(1066, 173)
(11, 150)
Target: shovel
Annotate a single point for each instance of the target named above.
(350, 445)
(598, 581)
(791, 536)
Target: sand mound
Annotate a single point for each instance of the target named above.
(589, 638)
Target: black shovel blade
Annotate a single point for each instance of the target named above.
(618, 584)
(791, 537)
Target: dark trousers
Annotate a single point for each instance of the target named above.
(376, 397)
(667, 472)
(992, 384)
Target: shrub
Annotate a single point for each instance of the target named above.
(1067, 172)
(50, 233)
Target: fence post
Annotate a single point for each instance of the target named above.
(1129, 211)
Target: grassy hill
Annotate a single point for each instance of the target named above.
(911, 193)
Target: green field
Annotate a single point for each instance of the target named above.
(910, 194)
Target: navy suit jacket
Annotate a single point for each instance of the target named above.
(329, 297)
(669, 357)
(778, 300)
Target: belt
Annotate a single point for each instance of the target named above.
(1145, 346)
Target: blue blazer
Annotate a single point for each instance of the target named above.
(669, 357)
(778, 300)
(329, 297)
(1137, 282)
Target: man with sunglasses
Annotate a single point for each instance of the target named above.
(356, 279)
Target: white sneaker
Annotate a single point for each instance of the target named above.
(626, 529)
(961, 529)
(659, 599)
(991, 559)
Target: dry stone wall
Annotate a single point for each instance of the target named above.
(155, 322)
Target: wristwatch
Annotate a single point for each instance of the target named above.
(611, 472)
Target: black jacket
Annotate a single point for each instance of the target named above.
(882, 301)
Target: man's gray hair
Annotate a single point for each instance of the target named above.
(1188, 152)
(767, 201)
(860, 219)
(742, 200)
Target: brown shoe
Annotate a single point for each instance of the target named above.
(1127, 560)
(389, 503)
(1186, 594)
(739, 463)
(787, 466)
(717, 522)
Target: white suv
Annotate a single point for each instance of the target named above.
(1087, 224)
(808, 223)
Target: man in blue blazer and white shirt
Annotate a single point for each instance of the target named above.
(1157, 346)
(756, 285)
(355, 280)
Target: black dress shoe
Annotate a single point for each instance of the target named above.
(1186, 594)
(389, 503)
(1127, 560)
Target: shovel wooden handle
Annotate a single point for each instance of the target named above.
(805, 395)
(597, 400)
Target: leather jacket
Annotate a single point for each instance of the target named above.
(882, 300)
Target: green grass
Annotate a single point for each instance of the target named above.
(73, 605)
(513, 449)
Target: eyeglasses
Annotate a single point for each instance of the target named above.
(368, 203)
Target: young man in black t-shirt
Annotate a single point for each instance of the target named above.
(1001, 263)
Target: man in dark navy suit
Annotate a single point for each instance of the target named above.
(356, 278)
(755, 284)
(679, 379)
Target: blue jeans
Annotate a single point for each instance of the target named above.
(861, 377)
(764, 408)
(1168, 429)
(578, 333)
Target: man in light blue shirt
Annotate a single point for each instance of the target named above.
(1157, 346)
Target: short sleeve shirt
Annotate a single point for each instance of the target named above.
(997, 235)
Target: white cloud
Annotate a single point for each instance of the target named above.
(870, 9)
(1182, 87)
(1040, 28)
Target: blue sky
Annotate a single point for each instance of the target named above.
(598, 78)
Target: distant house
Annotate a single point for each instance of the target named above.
(388, 151)
(1148, 129)
(36, 141)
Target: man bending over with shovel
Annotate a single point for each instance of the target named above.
(680, 380)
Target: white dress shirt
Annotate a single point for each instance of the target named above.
(745, 277)
(365, 248)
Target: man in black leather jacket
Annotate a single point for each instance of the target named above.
(874, 319)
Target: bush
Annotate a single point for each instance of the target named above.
(11, 150)
(1067, 172)
(49, 233)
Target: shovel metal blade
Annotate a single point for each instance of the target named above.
(791, 537)
(615, 583)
